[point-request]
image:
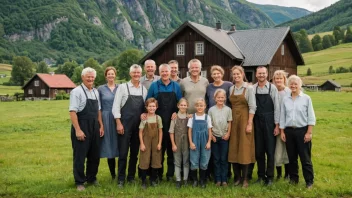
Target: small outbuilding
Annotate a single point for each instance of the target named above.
(330, 85)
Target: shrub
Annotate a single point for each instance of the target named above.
(309, 72)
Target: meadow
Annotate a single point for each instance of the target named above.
(36, 156)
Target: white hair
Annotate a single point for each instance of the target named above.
(134, 67)
(89, 70)
(194, 61)
(294, 78)
(149, 60)
(164, 65)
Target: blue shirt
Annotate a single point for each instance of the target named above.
(298, 112)
(157, 86)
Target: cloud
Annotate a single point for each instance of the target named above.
(312, 5)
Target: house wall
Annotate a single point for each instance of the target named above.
(328, 86)
(36, 90)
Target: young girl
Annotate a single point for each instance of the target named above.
(221, 116)
(199, 134)
(150, 137)
(180, 142)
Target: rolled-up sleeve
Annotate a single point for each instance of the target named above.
(251, 100)
(74, 101)
(283, 114)
(116, 106)
(311, 114)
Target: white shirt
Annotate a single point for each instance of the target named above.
(202, 117)
(78, 99)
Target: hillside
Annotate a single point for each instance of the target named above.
(338, 14)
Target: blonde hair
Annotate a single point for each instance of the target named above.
(219, 91)
(280, 73)
(217, 68)
(239, 68)
(296, 79)
(199, 100)
(183, 100)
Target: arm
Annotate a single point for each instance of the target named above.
(160, 138)
(142, 146)
(191, 144)
(228, 133)
(249, 126)
(116, 108)
(210, 135)
(282, 134)
(100, 120)
(79, 133)
(172, 137)
(309, 134)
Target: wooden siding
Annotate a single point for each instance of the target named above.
(36, 90)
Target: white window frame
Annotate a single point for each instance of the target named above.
(30, 91)
(180, 49)
(199, 51)
(36, 83)
(42, 91)
(282, 49)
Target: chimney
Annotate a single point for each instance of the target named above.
(218, 25)
(52, 73)
(233, 28)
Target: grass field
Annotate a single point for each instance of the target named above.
(5, 69)
(310, 36)
(36, 156)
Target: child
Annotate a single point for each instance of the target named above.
(180, 142)
(221, 116)
(199, 134)
(150, 137)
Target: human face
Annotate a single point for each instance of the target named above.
(279, 81)
(136, 75)
(164, 73)
(88, 79)
(110, 76)
(174, 69)
(220, 99)
(150, 68)
(182, 106)
(194, 69)
(151, 108)
(200, 107)
(294, 86)
(261, 74)
(217, 76)
(237, 76)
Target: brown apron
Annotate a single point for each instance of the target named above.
(241, 145)
(151, 140)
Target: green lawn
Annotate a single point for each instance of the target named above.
(36, 156)
(10, 90)
(310, 36)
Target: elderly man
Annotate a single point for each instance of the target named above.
(87, 129)
(174, 71)
(149, 77)
(168, 93)
(266, 125)
(127, 108)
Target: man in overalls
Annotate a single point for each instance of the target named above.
(167, 93)
(266, 125)
(86, 130)
(127, 108)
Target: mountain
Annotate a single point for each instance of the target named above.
(280, 14)
(338, 14)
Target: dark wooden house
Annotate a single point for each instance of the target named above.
(330, 85)
(46, 86)
(274, 48)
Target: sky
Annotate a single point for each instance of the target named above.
(311, 5)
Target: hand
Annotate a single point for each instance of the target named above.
(158, 147)
(226, 136)
(143, 116)
(307, 137)
(213, 138)
(193, 146)
(80, 135)
(189, 115)
(249, 128)
(276, 130)
(101, 131)
(174, 148)
(120, 129)
(173, 116)
(142, 147)
(283, 137)
(207, 146)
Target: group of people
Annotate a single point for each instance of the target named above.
(200, 126)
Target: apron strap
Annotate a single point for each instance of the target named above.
(244, 91)
(84, 92)
(95, 94)
(233, 91)
(206, 117)
(157, 123)
(256, 89)
(128, 90)
(269, 88)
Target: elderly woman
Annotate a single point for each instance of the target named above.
(194, 86)
(109, 148)
(281, 158)
(297, 119)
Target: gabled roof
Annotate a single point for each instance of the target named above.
(55, 80)
(260, 45)
(333, 83)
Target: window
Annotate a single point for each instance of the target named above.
(30, 91)
(56, 91)
(282, 49)
(199, 48)
(180, 49)
(43, 91)
(36, 83)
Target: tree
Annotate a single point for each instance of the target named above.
(331, 69)
(76, 77)
(319, 47)
(309, 72)
(315, 41)
(326, 42)
(100, 78)
(332, 40)
(2, 31)
(125, 60)
(304, 44)
(67, 68)
(22, 70)
(348, 36)
(42, 68)
(338, 34)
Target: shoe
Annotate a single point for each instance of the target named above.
(278, 177)
(178, 184)
(293, 182)
(245, 184)
(269, 182)
(259, 181)
(144, 185)
(287, 177)
(80, 188)
(195, 183)
(113, 177)
(218, 184)
(202, 184)
(224, 184)
(154, 184)
(309, 186)
(131, 180)
(237, 182)
(120, 184)
(168, 178)
(94, 183)
(185, 182)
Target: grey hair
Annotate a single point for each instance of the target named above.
(149, 60)
(296, 79)
(219, 91)
(164, 65)
(135, 66)
(194, 61)
(89, 70)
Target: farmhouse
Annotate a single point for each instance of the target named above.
(46, 86)
(330, 85)
(274, 48)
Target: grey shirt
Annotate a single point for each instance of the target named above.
(298, 112)
(274, 96)
(248, 94)
(220, 119)
(193, 90)
(146, 83)
(78, 99)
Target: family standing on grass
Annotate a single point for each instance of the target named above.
(205, 129)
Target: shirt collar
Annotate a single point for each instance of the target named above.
(161, 82)
(86, 88)
(244, 85)
(129, 83)
(299, 95)
(145, 78)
